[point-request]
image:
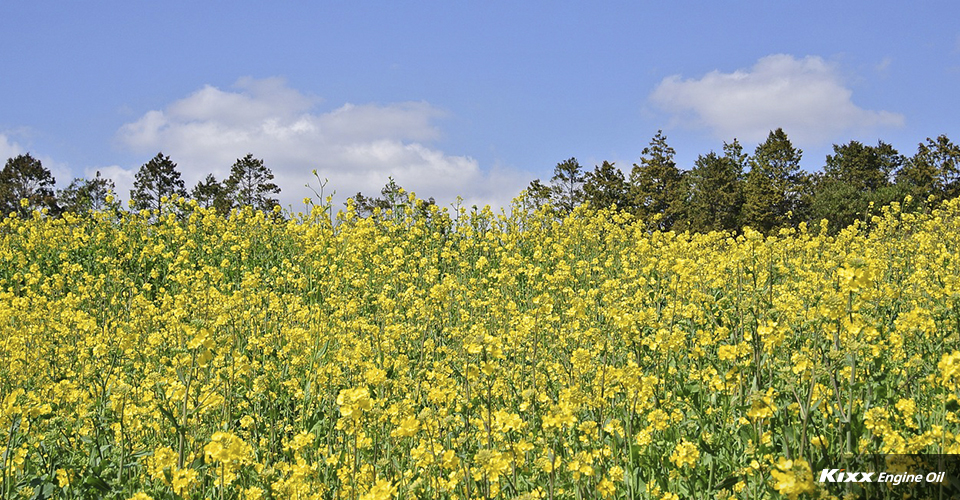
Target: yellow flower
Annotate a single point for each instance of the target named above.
(408, 427)
(792, 477)
(184, 481)
(230, 452)
(63, 478)
(606, 488)
(685, 454)
(382, 490)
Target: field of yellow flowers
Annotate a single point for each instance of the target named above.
(427, 353)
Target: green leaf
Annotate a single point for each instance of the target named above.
(96, 483)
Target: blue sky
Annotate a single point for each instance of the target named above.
(461, 98)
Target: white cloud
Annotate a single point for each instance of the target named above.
(356, 146)
(122, 178)
(8, 149)
(807, 97)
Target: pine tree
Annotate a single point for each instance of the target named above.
(714, 193)
(771, 189)
(934, 170)
(567, 185)
(250, 184)
(392, 197)
(25, 178)
(868, 168)
(855, 178)
(83, 195)
(210, 193)
(157, 179)
(565, 190)
(538, 193)
(606, 186)
(656, 187)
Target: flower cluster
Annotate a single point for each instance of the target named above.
(435, 353)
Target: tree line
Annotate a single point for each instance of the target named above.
(724, 191)
(766, 191)
(26, 185)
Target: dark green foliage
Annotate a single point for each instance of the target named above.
(606, 186)
(567, 185)
(156, 179)
(538, 193)
(714, 193)
(656, 189)
(771, 191)
(856, 183)
(805, 189)
(250, 184)
(210, 193)
(867, 168)
(392, 197)
(83, 195)
(934, 170)
(565, 191)
(25, 178)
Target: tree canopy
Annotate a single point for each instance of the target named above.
(766, 190)
(83, 195)
(251, 184)
(25, 186)
(157, 179)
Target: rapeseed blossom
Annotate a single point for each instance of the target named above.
(437, 353)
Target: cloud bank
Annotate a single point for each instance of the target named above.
(8, 149)
(807, 97)
(356, 146)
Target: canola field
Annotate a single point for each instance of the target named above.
(449, 353)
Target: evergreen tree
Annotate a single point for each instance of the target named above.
(867, 168)
(156, 179)
(83, 195)
(25, 178)
(606, 186)
(392, 197)
(567, 185)
(714, 193)
(934, 170)
(656, 187)
(250, 184)
(855, 178)
(565, 190)
(210, 193)
(538, 193)
(771, 190)
(733, 152)
(363, 205)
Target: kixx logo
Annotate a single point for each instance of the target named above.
(839, 476)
